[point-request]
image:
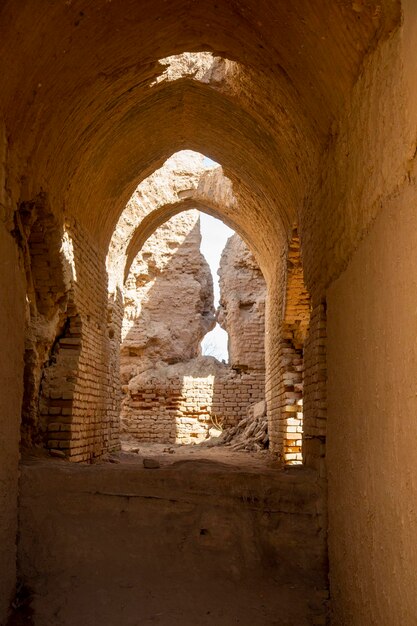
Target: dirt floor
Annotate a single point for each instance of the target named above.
(210, 537)
(133, 451)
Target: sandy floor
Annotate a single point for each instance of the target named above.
(134, 451)
(211, 537)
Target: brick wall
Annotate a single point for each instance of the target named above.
(182, 409)
(274, 313)
(315, 388)
(71, 397)
(182, 401)
(80, 394)
(287, 341)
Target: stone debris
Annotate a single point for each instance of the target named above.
(250, 434)
(57, 453)
(149, 463)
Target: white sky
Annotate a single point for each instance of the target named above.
(214, 235)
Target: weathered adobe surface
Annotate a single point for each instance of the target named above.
(49, 315)
(171, 392)
(89, 148)
(186, 402)
(168, 298)
(184, 181)
(242, 305)
(194, 542)
(340, 67)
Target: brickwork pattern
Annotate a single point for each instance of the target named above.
(294, 332)
(80, 394)
(285, 388)
(290, 428)
(315, 389)
(183, 409)
(274, 313)
(158, 404)
(39, 234)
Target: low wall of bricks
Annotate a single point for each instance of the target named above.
(184, 409)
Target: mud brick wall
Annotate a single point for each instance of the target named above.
(291, 400)
(242, 305)
(183, 409)
(288, 321)
(171, 394)
(315, 389)
(80, 394)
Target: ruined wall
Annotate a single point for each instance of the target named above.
(274, 314)
(12, 323)
(288, 382)
(168, 298)
(289, 333)
(83, 387)
(72, 396)
(242, 305)
(181, 403)
(168, 310)
(40, 237)
(315, 390)
(66, 407)
(371, 190)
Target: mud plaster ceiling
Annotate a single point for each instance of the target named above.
(87, 119)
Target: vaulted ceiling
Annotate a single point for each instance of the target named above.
(89, 113)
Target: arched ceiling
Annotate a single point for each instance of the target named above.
(153, 221)
(87, 120)
(185, 182)
(184, 115)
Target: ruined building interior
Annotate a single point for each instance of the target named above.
(171, 392)
(109, 113)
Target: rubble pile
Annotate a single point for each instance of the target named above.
(250, 434)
